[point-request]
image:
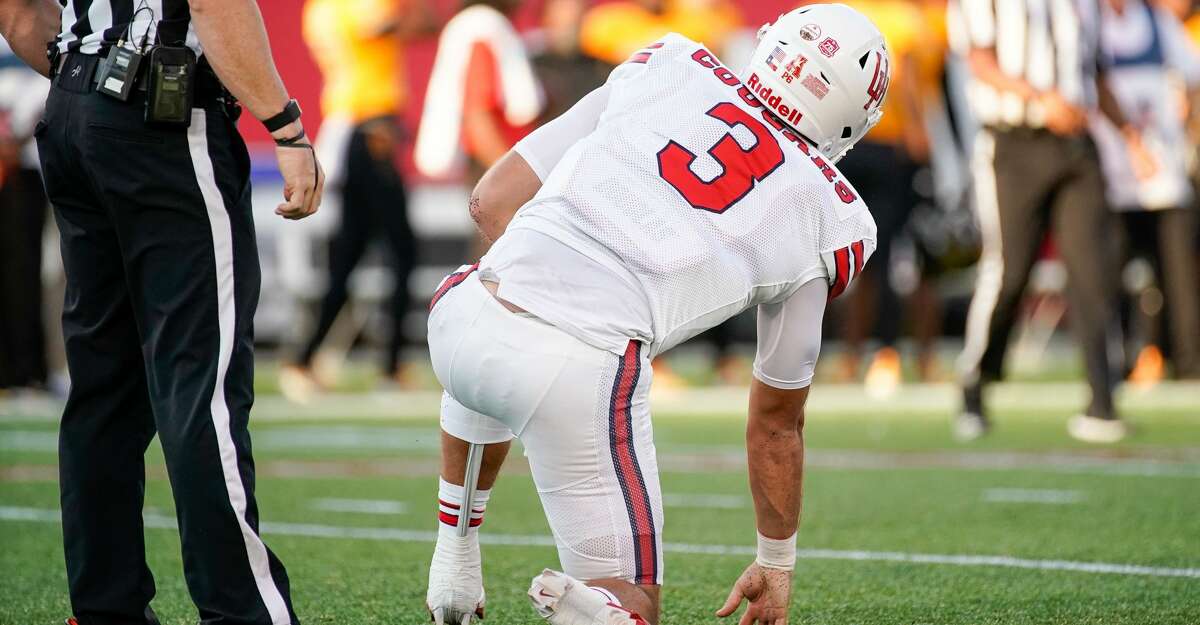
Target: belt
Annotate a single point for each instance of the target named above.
(77, 72)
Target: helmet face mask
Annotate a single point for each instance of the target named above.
(824, 70)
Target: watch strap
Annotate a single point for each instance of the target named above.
(289, 114)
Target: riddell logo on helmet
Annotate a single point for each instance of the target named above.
(775, 102)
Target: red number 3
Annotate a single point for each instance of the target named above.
(743, 168)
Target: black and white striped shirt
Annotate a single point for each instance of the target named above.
(90, 25)
(1051, 44)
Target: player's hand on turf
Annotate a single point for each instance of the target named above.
(768, 591)
(1062, 117)
(303, 180)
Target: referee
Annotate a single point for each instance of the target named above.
(162, 282)
(1036, 72)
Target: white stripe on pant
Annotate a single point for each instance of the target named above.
(991, 264)
(222, 236)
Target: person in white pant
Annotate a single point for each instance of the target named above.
(665, 202)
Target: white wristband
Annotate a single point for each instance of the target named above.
(777, 554)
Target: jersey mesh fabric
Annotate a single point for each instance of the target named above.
(697, 267)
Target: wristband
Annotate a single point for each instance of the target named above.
(289, 114)
(290, 141)
(777, 554)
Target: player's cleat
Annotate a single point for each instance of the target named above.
(1149, 369)
(455, 595)
(564, 600)
(970, 426)
(1096, 430)
(298, 384)
(883, 376)
(72, 621)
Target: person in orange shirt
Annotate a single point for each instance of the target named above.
(359, 46)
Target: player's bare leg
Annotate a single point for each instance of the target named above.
(564, 600)
(456, 594)
(454, 461)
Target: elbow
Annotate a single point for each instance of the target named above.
(486, 208)
(482, 205)
(777, 419)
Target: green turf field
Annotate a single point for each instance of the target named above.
(901, 525)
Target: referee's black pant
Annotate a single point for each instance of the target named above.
(162, 282)
(1027, 182)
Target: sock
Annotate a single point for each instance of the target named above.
(450, 505)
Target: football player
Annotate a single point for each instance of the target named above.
(670, 199)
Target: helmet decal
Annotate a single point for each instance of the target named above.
(879, 82)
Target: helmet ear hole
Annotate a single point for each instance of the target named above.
(862, 60)
(846, 132)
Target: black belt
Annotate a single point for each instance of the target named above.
(76, 72)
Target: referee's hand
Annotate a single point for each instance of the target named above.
(303, 180)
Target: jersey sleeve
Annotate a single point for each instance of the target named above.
(848, 237)
(789, 337)
(545, 147)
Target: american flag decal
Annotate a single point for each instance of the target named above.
(775, 58)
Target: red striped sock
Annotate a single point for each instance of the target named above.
(450, 506)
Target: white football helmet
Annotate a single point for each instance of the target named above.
(824, 70)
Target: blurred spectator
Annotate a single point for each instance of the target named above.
(882, 168)
(23, 210)
(483, 95)
(358, 45)
(566, 73)
(1149, 56)
(615, 30)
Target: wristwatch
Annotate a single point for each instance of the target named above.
(289, 114)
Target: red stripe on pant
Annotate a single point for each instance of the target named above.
(628, 470)
(454, 280)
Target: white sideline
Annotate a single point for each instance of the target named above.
(49, 515)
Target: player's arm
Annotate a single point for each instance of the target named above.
(27, 26)
(1145, 164)
(789, 340)
(518, 175)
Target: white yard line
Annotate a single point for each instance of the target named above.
(1032, 495)
(360, 506)
(826, 400)
(43, 515)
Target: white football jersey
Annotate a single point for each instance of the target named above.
(692, 185)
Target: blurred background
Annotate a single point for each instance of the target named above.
(411, 100)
